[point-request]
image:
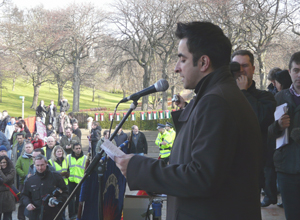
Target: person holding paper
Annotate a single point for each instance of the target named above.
(213, 172)
(287, 157)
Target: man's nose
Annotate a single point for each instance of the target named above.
(177, 68)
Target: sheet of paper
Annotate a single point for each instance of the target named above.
(284, 139)
(111, 150)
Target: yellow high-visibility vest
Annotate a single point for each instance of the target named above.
(76, 168)
(58, 168)
(164, 150)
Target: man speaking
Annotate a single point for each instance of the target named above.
(216, 158)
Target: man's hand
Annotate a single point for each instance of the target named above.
(163, 143)
(242, 82)
(68, 146)
(122, 162)
(180, 103)
(30, 207)
(284, 121)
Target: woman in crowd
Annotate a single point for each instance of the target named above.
(25, 128)
(7, 199)
(282, 80)
(37, 142)
(41, 111)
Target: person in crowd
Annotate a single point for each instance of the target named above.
(18, 129)
(100, 142)
(89, 123)
(41, 111)
(42, 183)
(7, 199)
(120, 137)
(32, 168)
(25, 128)
(18, 147)
(49, 129)
(4, 141)
(10, 127)
(138, 141)
(72, 118)
(169, 128)
(5, 120)
(76, 130)
(62, 123)
(262, 102)
(3, 150)
(286, 158)
(165, 142)
(95, 136)
(68, 141)
(22, 168)
(64, 105)
(283, 80)
(49, 147)
(52, 113)
(271, 76)
(54, 135)
(37, 142)
(215, 162)
(77, 162)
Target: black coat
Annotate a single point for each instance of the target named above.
(215, 159)
(142, 145)
(95, 135)
(4, 122)
(40, 185)
(41, 111)
(64, 105)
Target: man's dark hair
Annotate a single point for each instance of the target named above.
(294, 58)
(41, 157)
(205, 38)
(21, 134)
(271, 74)
(105, 132)
(76, 144)
(39, 150)
(96, 123)
(71, 114)
(244, 53)
(69, 128)
(4, 111)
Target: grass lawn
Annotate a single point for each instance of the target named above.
(13, 104)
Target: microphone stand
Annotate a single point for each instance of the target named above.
(94, 164)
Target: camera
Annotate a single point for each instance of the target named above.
(50, 197)
(175, 98)
(53, 201)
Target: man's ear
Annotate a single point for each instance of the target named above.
(204, 63)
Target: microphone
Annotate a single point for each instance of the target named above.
(160, 86)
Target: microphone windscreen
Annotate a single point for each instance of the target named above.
(161, 85)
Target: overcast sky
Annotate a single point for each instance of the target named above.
(53, 4)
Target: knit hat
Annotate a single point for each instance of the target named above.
(2, 147)
(284, 78)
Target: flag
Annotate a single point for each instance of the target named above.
(118, 117)
(155, 115)
(132, 116)
(124, 114)
(96, 116)
(101, 116)
(142, 116)
(167, 113)
(111, 116)
(161, 115)
(149, 115)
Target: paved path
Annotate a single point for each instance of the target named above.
(273, 212)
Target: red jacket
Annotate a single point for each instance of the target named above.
(37, 144)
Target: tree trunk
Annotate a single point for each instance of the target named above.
(165, 94)
(76, 87)
(261, 72)
(172, 93)
(35, 96)
(124, 93)
(146, 84)
(94, 88)
(60, 92)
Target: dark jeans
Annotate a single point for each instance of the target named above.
(73, 205)
(6, 215)
(289, 185)
(270, 188)
(166, 160)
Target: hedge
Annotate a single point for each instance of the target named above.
(142, 124)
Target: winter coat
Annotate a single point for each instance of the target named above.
(37, 143)
(39, 185)
(9, 130)
(95, 135)
(7, 199)
(41, 111)
(4, 122)
(78, 133)
(65, 141)
(142, 145)
(22, 167)
(215, 160)
(120, 139)
(54, 111)
(4, 141)
(64, 105)
(287, 158)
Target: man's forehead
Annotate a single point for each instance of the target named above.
(295, 65)
(241, 59)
